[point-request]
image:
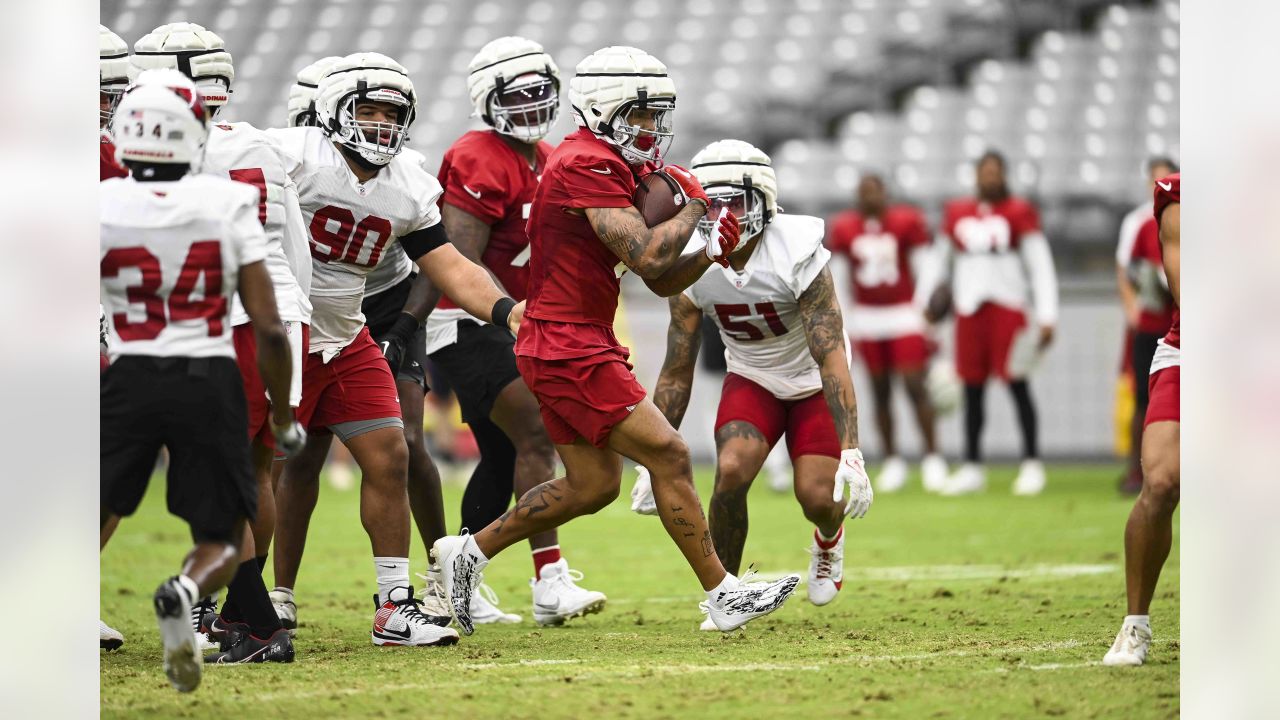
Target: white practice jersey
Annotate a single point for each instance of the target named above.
(758, 310)
(351, 226)
(171, 254)
(245, 154)
(395, 264)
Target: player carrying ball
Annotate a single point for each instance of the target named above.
(788, 363)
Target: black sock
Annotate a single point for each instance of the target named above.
(974, 416)
(489, 491)
(249, 595)
(1026, 418)
(262, 563)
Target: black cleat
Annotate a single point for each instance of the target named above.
(277, 648)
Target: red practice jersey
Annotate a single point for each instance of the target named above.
(976, 226)
(880, 250)
(1168, 192)
(107, 167)
(484, 176)
(1147, 267)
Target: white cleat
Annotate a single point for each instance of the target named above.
(933, 473)
(341, 477)
(485, 610)
(970, 478)
(731, 609)
(826, 570)
(1131, 646)
(433, 604)
(557, 598)
(708, 625)
(1030, 480)
(893, 475)
(461, 570)
(108, 637)
(183, 663)
(286, 609)
(207, 605)
(399, 621)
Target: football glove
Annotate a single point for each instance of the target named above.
(851, 474)
(724, 238)
(642, 501)
(290, 437)
(396, 341)
(688, 183)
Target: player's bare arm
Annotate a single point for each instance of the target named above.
(467, 283)
(1170, 224)
(824, 329)
(648, 252)
(274, 360)
(675, 382)
(469, 234)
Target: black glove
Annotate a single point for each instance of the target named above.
(396, 340)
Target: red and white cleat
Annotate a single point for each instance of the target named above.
(826, 568)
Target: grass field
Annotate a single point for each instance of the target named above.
(976, 607)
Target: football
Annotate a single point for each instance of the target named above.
(658, 198)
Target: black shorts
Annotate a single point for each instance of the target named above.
(478, 366)
(381, 312)
(196, 408)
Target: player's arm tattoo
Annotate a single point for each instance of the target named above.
(675, 382)
(684, 272)
(824, 328)
(648, 252)
(469, 234)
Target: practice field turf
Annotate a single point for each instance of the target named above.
(975, 607)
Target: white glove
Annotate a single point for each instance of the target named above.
(852, 473)
(289, 438)
(642, 501)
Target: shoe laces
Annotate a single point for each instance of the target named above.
(411, 609)
(824, 559)
(486, 593)
(569, 578)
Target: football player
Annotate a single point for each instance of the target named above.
(175, 247)
(1149, 532)
(241, 152)
(584, 232)
(885, 244)
(788, 362)
(999, 251)
(361, 198)
(489, 177)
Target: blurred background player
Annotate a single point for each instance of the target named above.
(788, 361)
(175, 246)
(1148, 307)
(1149, 532)
(390, 287)
(885, 246)
(186, 52)
(489, 178)
(1001, 256)
(360, 197)
(583, 232)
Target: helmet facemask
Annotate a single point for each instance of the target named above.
(747, 203)
(112, 96)
(524, 108)
(375, 142)
(639, 144)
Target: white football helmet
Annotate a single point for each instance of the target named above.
(113, 70)
(612, 82)
(366, 77)
(739, 176)
(302, 94)
(159, 124)
(195, 52)
(515, 88)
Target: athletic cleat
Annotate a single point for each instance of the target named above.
(970, 478)
(433, 604)
(732, 609)
(1131, 646)
(461, 570)
(485, 610)
(933, 473)
(893, 475)
(249, 649)
(557, 598)
(400, 621)
(182, 664)
(286, 609)
(708, 625)
(826, 570)
(223, 634)
(1030, 480)
(207, 606)
(108, 637)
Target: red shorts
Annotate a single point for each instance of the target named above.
(582, 397)
(806, 422)
(355, 385)
(984, 340)
(907, 353)
(1164, 404)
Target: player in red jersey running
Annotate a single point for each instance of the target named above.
(885, 244)
(1149, 532)
(584, 231)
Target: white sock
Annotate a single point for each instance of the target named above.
(474, 549)
(286, 591)
(1141, 620)
(728, 583)
(824, 538)
(392, 572)
(190, 588)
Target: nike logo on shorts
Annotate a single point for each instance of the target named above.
(471, 192)
(605, 171)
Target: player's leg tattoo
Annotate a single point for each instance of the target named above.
(741, 449)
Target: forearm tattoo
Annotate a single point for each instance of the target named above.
(675, 382)
(648, 252)
(824, 328)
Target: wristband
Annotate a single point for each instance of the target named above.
(501, 311)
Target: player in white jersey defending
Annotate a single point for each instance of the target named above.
(175, 247)
(389, 287)
(245, 154)
(788, 363)
(360, 197)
